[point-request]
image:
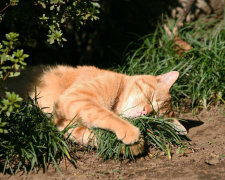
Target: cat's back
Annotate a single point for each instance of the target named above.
(50, 81)
(64, 75)
(56, 80)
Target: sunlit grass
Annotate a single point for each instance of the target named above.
(156, 132)
(202, 69)
(33, 142)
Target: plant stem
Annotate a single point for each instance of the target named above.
(9, 72)
(5, 7)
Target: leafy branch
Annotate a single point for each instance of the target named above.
(11, 61)
(58, 14)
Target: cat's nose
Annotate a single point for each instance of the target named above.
(144, 111)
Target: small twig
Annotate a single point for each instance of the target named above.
(167, 30)
(181, 19)
(150, 131)
(183, 16)
(5, 7)
(65, 166)
(8, 73)
(180, 45)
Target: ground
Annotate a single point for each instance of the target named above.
(205, 161)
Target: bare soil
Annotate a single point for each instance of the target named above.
(205, 161)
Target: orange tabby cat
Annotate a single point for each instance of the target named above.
(99, 96)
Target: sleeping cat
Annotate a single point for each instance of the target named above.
(99, 96)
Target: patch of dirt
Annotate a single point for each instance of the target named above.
(206, 161)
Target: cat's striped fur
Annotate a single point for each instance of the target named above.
(100, 96)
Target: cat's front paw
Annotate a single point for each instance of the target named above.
(136, 148)
(128, 135)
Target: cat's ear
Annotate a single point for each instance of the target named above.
(168, 79)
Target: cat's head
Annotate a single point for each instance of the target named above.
(144, 94)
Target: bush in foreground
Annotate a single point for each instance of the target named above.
(32, 141)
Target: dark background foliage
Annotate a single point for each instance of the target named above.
(100, 43)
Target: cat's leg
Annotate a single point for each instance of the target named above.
(83, 136)
(95, 115)
(177, 125)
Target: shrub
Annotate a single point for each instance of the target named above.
(53, 17)
(32, 140)
(11, 61)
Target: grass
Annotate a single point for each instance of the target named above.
(201, 82)
(32, 142)
(202, 69)
(156, 132)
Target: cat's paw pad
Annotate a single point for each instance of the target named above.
(136, 148)
(129, 135)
